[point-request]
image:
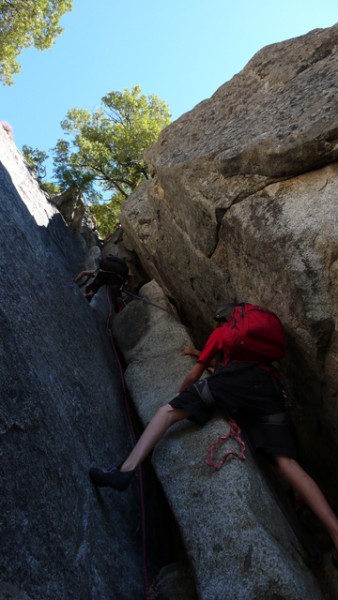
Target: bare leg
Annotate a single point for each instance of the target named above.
(163, 419)
(310, 492)
(119, 478)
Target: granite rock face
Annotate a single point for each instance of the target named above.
(243, 206)
(76, 213)
(60, 402)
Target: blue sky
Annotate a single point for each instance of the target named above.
(182, 51)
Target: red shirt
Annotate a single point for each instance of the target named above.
(221, 339)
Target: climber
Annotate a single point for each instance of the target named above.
(8, 128)
(247, 386)
(112, 272)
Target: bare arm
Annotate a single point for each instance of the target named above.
(193, 375)
(190, 351)
(83, 274)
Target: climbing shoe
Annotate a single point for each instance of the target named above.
(114, 478)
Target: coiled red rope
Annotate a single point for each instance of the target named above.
(235, 433)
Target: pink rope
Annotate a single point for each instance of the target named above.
(235, 433)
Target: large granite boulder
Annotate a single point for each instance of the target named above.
(243, 206)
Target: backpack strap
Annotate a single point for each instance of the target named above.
(218, 360)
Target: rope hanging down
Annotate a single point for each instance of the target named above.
(235, 433)
(133, 436)
(146, 301)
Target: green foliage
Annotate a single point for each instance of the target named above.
(52, 189)
(71, 175)
(106, 216)
(104, 157)
(25, 23)
(35, 161)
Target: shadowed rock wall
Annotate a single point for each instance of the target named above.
(60, 402)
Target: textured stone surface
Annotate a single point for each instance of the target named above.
(76, 213)
(277, 117)
(174, 583)
(243, 206)
(9, 592)
(60, 401)
(237, 540)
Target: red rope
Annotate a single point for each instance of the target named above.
(140, 473)
(235, 433)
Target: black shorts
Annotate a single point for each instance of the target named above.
(250, 395)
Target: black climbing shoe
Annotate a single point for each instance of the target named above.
(334, 558)
(114, 478)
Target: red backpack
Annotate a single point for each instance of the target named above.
(255, 333)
